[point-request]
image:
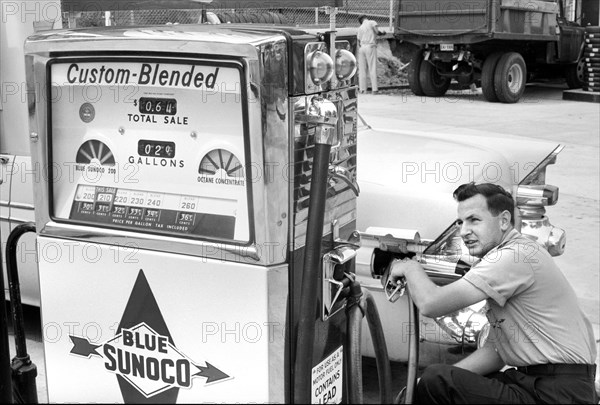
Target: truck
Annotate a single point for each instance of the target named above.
(497, 44)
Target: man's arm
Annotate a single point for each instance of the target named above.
(482, 361)
(376, 28)
(431, 299)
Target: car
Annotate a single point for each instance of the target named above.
(406, 207)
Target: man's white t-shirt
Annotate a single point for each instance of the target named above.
(533, 312)
(367, 33)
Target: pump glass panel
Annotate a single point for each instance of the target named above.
(150, 146)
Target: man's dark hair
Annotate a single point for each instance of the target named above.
(362, 18)
(497, 198)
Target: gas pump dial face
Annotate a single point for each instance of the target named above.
(220, 159)
(94, 151)
(157, 156)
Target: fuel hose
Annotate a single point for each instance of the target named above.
(361, 303)
(407, 396)
(310, 275)
(24, 371)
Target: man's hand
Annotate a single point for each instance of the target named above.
(431, 299)
(400, 268)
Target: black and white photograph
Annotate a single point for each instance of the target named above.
(324, 202)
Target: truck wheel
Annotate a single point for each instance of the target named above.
(487, 76)
(432, 83)
(510, 77)
(226, 17)
(574, 74)
(412, 74)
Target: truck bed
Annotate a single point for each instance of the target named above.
(470, 21)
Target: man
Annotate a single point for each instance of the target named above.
(536, 323)
(367, 53)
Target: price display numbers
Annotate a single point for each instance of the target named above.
(135, 212)
(119, 210)
(185, 218)
(162, 106)
(188, 206)
(102, 208)
(189, 203)
(161, 149)
(152, 214)
(87, 206)
(103, 197)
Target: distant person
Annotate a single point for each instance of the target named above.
(367, 53)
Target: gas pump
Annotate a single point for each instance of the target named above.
(193, 228)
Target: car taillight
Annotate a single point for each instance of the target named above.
(536, 196)
(532, 195)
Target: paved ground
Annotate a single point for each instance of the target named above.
(541, 115)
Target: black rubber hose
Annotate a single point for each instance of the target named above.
(310, 275)
(408, 396)
(413, 351)
(355, 377)
(354, 372)
(14, 286)
(353, 340)
(24, 371)
(384, 369)
(6, 387)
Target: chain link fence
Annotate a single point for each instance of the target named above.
(378, 10)
(390, 67)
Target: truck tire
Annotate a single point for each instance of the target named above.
(226, 17)
(574, 74)
(412, 74)
(487, 76)
(265, 18)
(510, 77)
(432, 84)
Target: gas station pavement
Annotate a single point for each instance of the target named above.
(542, 114)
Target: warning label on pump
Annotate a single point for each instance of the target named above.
(327, 379)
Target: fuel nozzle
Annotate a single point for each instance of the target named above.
(322, 113)
(337, 172)
(393, 289)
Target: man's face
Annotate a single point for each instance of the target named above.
(479, 229)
